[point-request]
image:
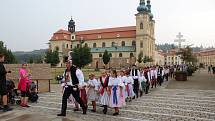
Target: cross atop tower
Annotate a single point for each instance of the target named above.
(179, 40)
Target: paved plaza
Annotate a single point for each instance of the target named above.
(167, 103)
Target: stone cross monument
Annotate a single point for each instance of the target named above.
(179, 40)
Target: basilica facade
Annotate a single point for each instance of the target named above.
(124, 43)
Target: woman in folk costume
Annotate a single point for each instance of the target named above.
(129, 81)
(116, 92)
(92, 93)
(122, 78)
(142, 81)
(103, 89)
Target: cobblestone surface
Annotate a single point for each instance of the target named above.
(160, 104)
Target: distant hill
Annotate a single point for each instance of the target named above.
(35, 56)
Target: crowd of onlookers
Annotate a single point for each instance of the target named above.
(211, 69)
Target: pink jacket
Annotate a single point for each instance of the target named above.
(23, 82)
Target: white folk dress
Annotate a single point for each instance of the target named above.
(103, 87)
(93, 89)
(116, 100)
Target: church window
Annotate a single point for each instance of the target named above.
(141, 25)
(86, 45)
(141, 44)
(73, 37)
(78, 45)
(123, 43)
(113, 44)
(100, 55)
(103, 44)
(94, 45)
(110, 54)
(133, 43)
(131, 55)
(57, 48)
(71, 46)
(120, 54)
(67, 45)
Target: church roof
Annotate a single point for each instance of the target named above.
(107, 33)
(61, 35)
(94, 34)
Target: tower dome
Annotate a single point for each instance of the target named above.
(142, 7)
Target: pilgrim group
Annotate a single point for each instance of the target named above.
(112, 89)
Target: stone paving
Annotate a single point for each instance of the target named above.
(160, 105)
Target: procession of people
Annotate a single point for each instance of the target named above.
(112, 89)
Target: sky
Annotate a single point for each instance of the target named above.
(27, 25)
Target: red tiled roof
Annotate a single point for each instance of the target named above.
(61, 35)
(107, 33)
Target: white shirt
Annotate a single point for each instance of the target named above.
(129, 80)
(79, 75)
(142, 78)
(93, 83)
(115, 82)
(138, 74)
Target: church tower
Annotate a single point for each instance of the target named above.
(145, 40)
(71, 26)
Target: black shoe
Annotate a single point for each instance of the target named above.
(84, 110)
(76, 109)
(61, 114)
(93, 110)
(7, 109)
(115, 114)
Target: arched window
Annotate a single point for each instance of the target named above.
(86, 45)
(133, 43)
(100, 55)
(123, 43)
(103, 44)
(94, 45)
(131, 55)
(67, 45)
(110, 54)
(78, 45)
(141, 44)
(71, 46)
(113, 44)
(57, 48)
(141, 25)
(120, 54)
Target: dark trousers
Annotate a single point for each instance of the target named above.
(147, 87)
(136, 87)
(160, 80)
(166, 77)
(67, 92)
(154, 82)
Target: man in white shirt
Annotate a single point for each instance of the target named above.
(135, 73)
(74, 79)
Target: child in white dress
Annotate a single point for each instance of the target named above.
(129, 81)
(116, 92)
(92, 93)
(103, 89)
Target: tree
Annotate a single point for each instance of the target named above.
(140, 57)
(106, 58)
(9, 57)
(81, 56)
(146, 59)
(52, 57)
(31, 60)
(187, 55)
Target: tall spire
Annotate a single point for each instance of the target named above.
(71, 26)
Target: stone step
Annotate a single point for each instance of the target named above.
(149, 109)
(133, 114)
(142, 100)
